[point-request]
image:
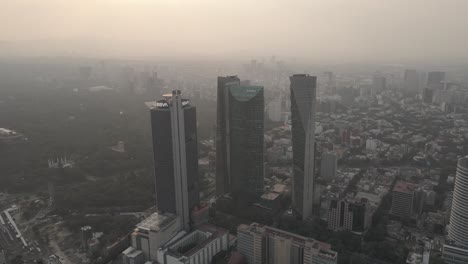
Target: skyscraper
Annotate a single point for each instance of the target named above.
(435, 79)
(174, 130)
(303, 101)
(456, 244)
(379, 83)
(403, 199)
(411, 81)
(328, 166)
(223, 177)
(239, 137)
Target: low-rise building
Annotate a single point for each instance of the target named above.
(133, 256)
(153, 232)
(198, 246)
(264, 244)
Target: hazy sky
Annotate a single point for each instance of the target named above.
(316, 29)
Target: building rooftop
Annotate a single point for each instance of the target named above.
(192, 242)
(322, 248)
(156, 221)
(404, 187)
(131, 252)
(372, 198)
(270, 196)
(9, 134)
(4, 131)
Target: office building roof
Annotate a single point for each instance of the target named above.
(404, 187)
(156, 221)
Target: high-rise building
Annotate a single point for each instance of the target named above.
(174, 130)
(328, 166)
(2, 256)
(223, 176)
(404, 199)
(428, 95)
(85, 73)
(330, 83)
(239, 139)
(351, 215)
(303, 102)
(379, 83)
(456, 245)
(435, 79)
(411, 81)
(340, 217)
(86, 234)
(263, 244)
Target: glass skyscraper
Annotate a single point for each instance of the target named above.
(239, 140)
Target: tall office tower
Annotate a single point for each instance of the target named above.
(174, 129)
(239, 139)
(428, 95)
(303, 102)
(456, 245)
(263, 244)
(2, 256)
(435, 79)
(223, 176)
(379, 83)
(328, 166)
(330, 82)
(85, 73)
(411, 81)
(404, 202)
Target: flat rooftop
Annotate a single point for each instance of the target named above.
(270, 196)
(7, 132)
(322, 247)
(404, 187)
(192, 242)
(372, 198)
(156, 221)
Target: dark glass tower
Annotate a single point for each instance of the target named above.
(246, 137)
(239, 139)
(303, 93)
(174, 131)
(223, 179)
(435, 79)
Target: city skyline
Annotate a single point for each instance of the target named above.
(233, 132)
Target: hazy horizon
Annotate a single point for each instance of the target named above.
(321, 30)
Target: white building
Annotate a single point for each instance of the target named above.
(133, 256)
(456, 247)
(153, 232)
(160, 238)
(197, 247)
